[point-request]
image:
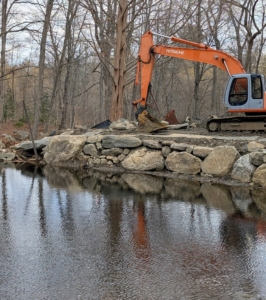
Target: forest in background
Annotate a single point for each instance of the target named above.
(73, 62)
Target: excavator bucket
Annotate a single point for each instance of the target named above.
(148, 123)
(171, 118)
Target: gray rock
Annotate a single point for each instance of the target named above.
(243, 170)
(2, 145)
(166, 150)
(7, 156)
(97, 161)
(143, 159)
(8, 137)
(256, 158)
(122, 124)
(93, 137)
(22, 135)
(68, 132)
(255, 146)
(63, 148)
(39, 144)
(220, 161)
(112, 151)
(99, 146)
(152, 144)
(90, 149)
(178, 126)
(179, 146)
(202, 152)
(103, 161)
(121, 157)
(167, 143)
(126, 151)
(120, 141)
(114, 159)
(183, 163)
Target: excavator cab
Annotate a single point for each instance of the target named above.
(246, 93)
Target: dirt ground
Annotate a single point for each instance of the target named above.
(10, 128)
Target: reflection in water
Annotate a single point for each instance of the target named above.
(4, 195)
(90, 235)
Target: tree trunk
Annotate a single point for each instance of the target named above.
(117, 105)
(3, 58)
(49, 8)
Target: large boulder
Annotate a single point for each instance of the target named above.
(243, 169)
(63, 148)
(220, 161)
(259, 176)
(143, 159)
(120, 141)
(183, 163)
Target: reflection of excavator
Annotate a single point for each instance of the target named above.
(245, 93)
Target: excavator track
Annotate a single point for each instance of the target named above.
(239, 123)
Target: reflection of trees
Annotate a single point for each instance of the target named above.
(237, 231)
(33, 175)
(170, 232)
(42, 217)
(4, 195)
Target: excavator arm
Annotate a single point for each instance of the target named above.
(200, 53)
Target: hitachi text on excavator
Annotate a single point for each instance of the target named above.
(245, 93)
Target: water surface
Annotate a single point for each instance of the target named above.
(87, 235)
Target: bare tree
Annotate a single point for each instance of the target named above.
(117, 104)
(46, 25)
(247, 17)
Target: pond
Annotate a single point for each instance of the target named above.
(89, 235)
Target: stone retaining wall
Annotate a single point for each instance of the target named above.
(133, 153)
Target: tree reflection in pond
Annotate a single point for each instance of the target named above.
(67, 234)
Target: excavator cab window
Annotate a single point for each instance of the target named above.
(256, 87)
(238, 92)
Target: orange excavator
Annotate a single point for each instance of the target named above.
(245, 93)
